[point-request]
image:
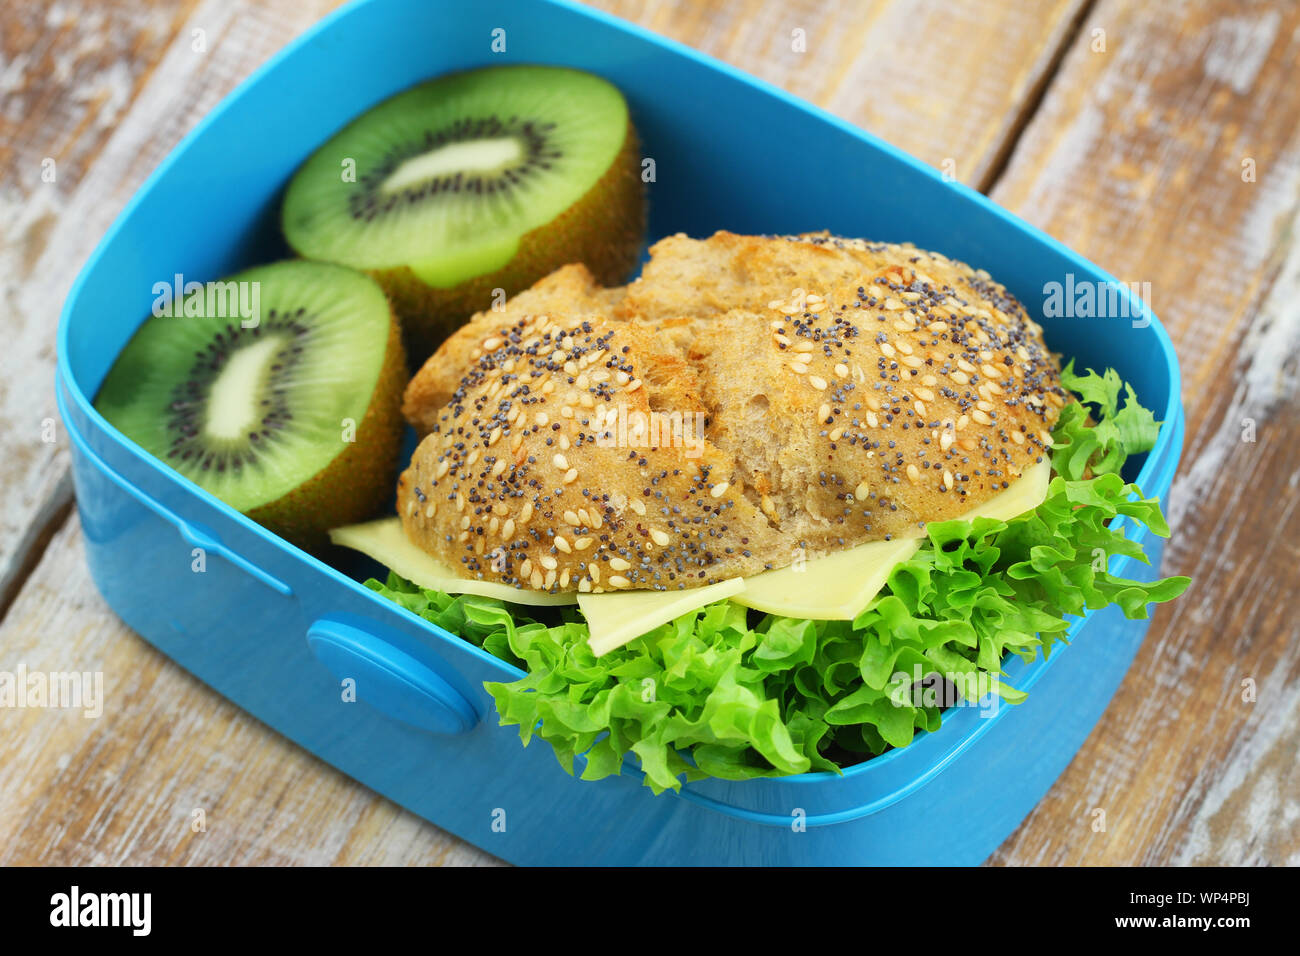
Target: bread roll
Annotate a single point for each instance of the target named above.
(748, 401)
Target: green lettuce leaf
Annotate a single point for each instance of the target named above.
(728, 693)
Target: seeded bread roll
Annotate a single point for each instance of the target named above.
(747, 401)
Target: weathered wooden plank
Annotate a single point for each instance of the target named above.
(944, 81)
(1142, 157)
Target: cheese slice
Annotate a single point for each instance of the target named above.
(616, 617)
(833, 588)
(386, 541)
(836, 587)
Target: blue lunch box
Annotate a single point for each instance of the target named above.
(276, 630)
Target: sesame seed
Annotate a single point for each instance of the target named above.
(961, 378)
(548, 562)
(637, 506)
(618, 581)
(618, 564)
(560, 462)
(799, 368)
(508, 529)
(947, 479)
(981, 417)
(720, 489)
(924, 394)
(659, 537)
(571, 518)
(526, 512)
(582, 544)
(842, 370)
(836, 433)
(817, 382)
(913, 474)
(570, 476)
(862, 491)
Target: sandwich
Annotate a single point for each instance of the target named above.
(771, 508)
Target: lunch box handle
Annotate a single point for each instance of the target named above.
(193, 533)
(389, 679)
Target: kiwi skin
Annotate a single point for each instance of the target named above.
(359, 482)
(604, 230)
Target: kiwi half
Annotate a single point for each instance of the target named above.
(293, 420)
(477, 181)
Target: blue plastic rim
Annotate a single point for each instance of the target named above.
(774, 165)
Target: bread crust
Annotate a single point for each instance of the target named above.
(747, 402)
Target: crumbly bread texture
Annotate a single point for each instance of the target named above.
(749, 401)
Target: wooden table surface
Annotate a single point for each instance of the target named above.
(1160, 140)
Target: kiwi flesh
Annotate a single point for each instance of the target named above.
(291, 415)
(471, 183)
